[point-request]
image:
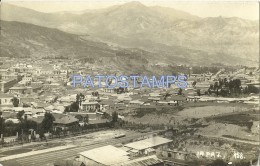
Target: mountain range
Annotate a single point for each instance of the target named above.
(165, 34)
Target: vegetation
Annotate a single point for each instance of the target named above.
(79, 98)
(81, 118)
(20, 115)
(47, 123)
(251, 89)
(114, 117)
(218, 162)
(2, 125)
(180, 91)
(15, 101)
(223, 87)
(74, 107)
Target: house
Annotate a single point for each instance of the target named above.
(106, 104)
(108, 90)
(193, 98)
(103, 156)
(154, 99)
(7, 84)
(66, 122)
(27, 98)
(39, 105)
(179, 99)
(11, 76)
(6, 99)
(36, 83)
(154, 94)
(20, 90)
(167, 102)
(98, 123)
(90, 106)
(52, 85)
(27, 78)
(67, 99)
(36, 88)
(136, 103)
(175, 154)
(11, 139)
(149, 146)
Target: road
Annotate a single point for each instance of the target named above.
(51, 157)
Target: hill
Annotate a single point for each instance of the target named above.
(171, 34)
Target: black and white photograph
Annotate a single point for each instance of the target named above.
(129, 83)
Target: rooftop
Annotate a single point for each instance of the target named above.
(66, 120)
(5, 95)
(107, 155)
(148, 143)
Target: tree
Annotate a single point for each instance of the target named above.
(26, 105)
(243, 163)
(86, 119)
(19, 115)
(218, 162)
(79, 117)
(198, 92)
(2, 124)
(95, 93)
(252, 89)
(47, 122)
(15, 101)
(79, 98)
(74, 107)
(67, 109)
(114, 117)
(105, 115)
(216, 86)
(194, 83)
(26, 125)
(249, 125)
(180, 92)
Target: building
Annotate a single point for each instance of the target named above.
(135, 103)
(175, 154)
(6, 99)
(20, 90)
(148, 146)
(103, 156)
(90, 106)
(11, 76)
(66, 122)
(193, 98)
(7, 84)
(108, 90)
(179, 99)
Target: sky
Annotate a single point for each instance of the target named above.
(238, 8)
